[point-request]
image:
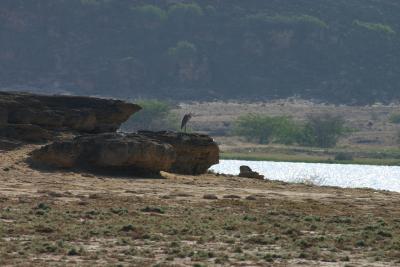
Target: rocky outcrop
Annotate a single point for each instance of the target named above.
(195, 153)
(108, 151)
(61, 113)
(34, 118)
(247, 172)
(145, 152)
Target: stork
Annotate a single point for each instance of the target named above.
(185, 120)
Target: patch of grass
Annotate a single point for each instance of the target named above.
(226, 232)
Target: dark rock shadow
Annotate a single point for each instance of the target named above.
(96, 172)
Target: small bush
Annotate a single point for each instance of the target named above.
(394, 118)
(343, 156)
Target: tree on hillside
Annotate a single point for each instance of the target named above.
(184, 57)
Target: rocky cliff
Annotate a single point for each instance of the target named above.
(30, 117)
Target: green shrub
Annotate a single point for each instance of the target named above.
(264, 129)
(394, 118)
(342, 156)
(323, 130)
(155, 115)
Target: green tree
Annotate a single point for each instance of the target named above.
(183, 51)
(183, 56)
(323, 130)
(264, 129)
(149, 16)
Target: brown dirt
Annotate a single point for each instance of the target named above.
(69, 218)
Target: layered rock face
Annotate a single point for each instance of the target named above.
(145, 152)
(195, 152)
(20, 111)
(109, 150)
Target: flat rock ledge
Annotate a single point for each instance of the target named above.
(34, 118)
(144, 152)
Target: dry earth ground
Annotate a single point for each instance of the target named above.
(64, 218)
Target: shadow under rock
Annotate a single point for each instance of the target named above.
(98, 172)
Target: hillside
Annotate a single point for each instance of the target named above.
(341, 51)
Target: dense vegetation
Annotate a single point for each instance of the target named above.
(319, 130)
(337, 51)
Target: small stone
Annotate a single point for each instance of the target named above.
(94, 196)
(246, 172)
(210, 197)
(251, 198)
(6, 169)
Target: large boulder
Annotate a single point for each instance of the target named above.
(64, 113)
(195, 153)
(108, 151)
(146, 152)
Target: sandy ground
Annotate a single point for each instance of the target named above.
(304, 225)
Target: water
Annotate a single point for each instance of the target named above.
(351, 176)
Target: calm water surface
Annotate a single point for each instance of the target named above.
(354, 176)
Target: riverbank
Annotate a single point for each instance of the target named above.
(308, 159)
(64, 217)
